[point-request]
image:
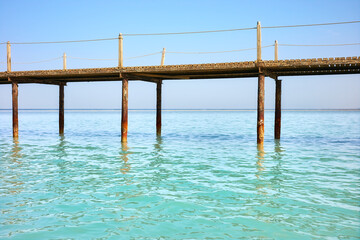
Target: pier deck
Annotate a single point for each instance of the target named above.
(271, 68)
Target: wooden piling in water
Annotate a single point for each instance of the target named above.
(158, 107)
(15, 109)
(277, 128)
(61, 109)
(260, 108)
(124, 111)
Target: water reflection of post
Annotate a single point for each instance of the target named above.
(260, 167)
(278, 155)
(158, 144)
(124, 156)
(278, 149)
(15, 184)
(61, 148)
(260, 156)
(15, 151)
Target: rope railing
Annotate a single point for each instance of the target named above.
(318, 45)
(228, 51)
(93, 59)
(182, 33)
(42, 61)
(178, 52)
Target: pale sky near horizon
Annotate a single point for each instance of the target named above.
(31, 21)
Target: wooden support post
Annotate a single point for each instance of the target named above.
(260, 108)
(15, 109)
(61, 108)
(163, 57)
(120, 50)
(124, 111)
(158, 107)
(276, 50)
(64, 61)
(277, 129)
(258, 31)
(8, 51)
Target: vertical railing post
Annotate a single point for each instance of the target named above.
(276, 50)
(258, 31)
(8, 56)
(260, 108)
(124, 111)
(163, 57)
(120, 50)
(64, 61)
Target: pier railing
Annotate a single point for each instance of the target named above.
(120, 59)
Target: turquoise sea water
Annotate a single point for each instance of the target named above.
(204, 179)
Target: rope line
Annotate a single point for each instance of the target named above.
(48, 60)
(92, 59)
(112, 59)
(150, 54)
(311, 25)
(318, 45)
(70, 41)
(195, 32)
(238, 50)
(179, 33)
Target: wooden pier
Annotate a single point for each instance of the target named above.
(157, 74)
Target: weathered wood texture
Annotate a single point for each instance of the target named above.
(277, 128)
(120, 51)
(8, 56)
(260, 109)
(158, 108)
(64, 61)
(124, 111)
(258, 40)
(163, 57)
(15, 109)
(61, 109)
(295, 67)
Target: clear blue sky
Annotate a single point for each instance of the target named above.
(28, 21)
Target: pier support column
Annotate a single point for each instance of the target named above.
(15, 109)
(277, 129)
(61, 108)
(158, 107)
(260, 109)
(124, 111)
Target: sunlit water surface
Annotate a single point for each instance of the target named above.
(204, 179)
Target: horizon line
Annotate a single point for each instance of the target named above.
(183, 109)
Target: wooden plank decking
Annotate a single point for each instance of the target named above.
(293, 67)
